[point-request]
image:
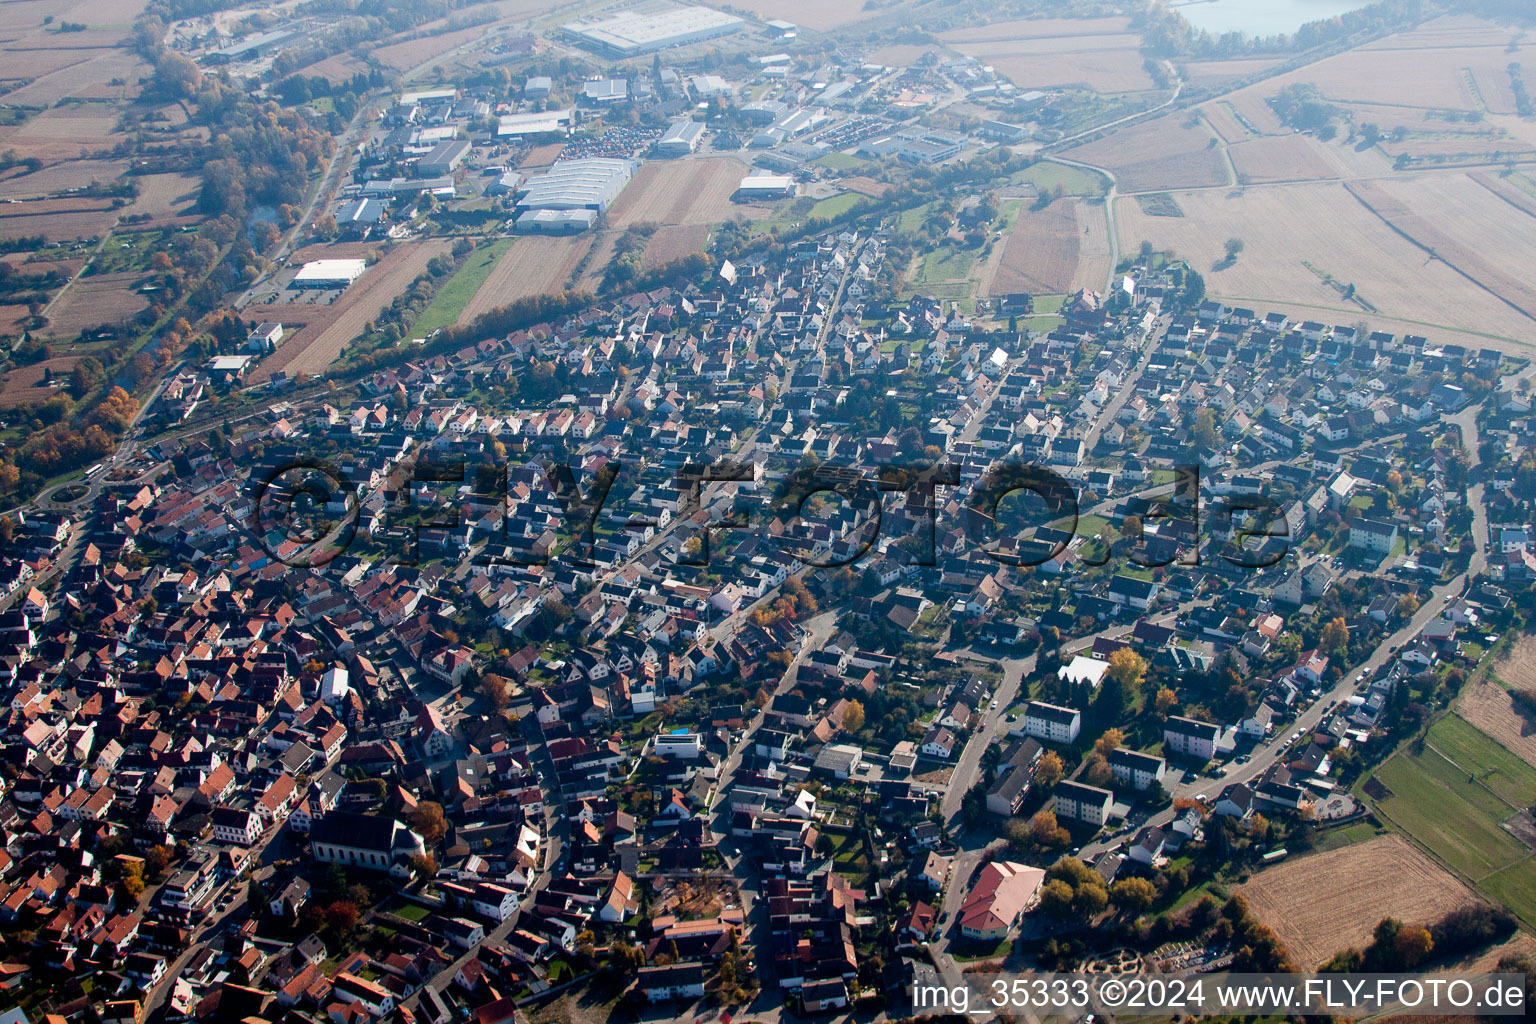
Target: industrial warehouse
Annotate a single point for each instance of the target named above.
(572, 195)
(632, 33)
(329, 273)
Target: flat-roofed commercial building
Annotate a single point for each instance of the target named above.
(329, 273)
(630, 33)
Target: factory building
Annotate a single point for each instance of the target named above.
(632, 33)
(591, 184)
(680, 138)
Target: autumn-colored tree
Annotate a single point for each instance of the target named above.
(428, 819)
(496, 689)
(1050, 770)
(1096, 770)
(1111, 741)
(853, 717)
(132, 882)
(1133, 895)
(1046, 830)
(1413, 944)
(1128, 668)
(1406, 606)
(341, 916)
(1166, 701)
(1258, 827)
(424, 864)
(1335, 636)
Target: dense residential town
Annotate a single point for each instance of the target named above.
(608, 514)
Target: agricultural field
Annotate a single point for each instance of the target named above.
(51, 180)
(1493, 710)
(35, 382)
(64, 133)
(1040, 255)
(1454, 797)
(1211, 72)
(1464, 225)
(1100, 54)
(532, 265)
(673, 243)
(1093, 257)
(1274, 158)
(455, 294)
(1305, 244)
(1385, 876)
(169, 199)
(92, 301)
(683, 192)
(1163, 153)
(58, 220)
(817, 14)
(324, 330)
(415, 52)
(1518, 668)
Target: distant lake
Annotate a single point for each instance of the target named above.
(1261, 18)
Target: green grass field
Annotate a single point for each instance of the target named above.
(1074, 181)
(835, 205)
(455, 294)
(841, 161)
(1452, 797)
(1498, 769)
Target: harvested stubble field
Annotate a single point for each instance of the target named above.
(1163, 153)
(591, 278)
(1053, 251)
(1287, 227)
(673, 243)
(1280, 158)
(165, 197)
(1099, 54)
(24, 384)
(327, 329)
(58, 219)
(93, 301)
(1224, 123)
(1093, 256)
(683, 192)
(414, 52)
(534, 265)
(817, 14)
(1464, 225)
(1206, 72)
(1518, 668)
(1325, 903)
(64, 133)
(1040, 255)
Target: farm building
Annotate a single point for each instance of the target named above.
(578, 185)
(680, 138)
(538, 123)
(329, 273)
(631, 33)
(765, 186)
